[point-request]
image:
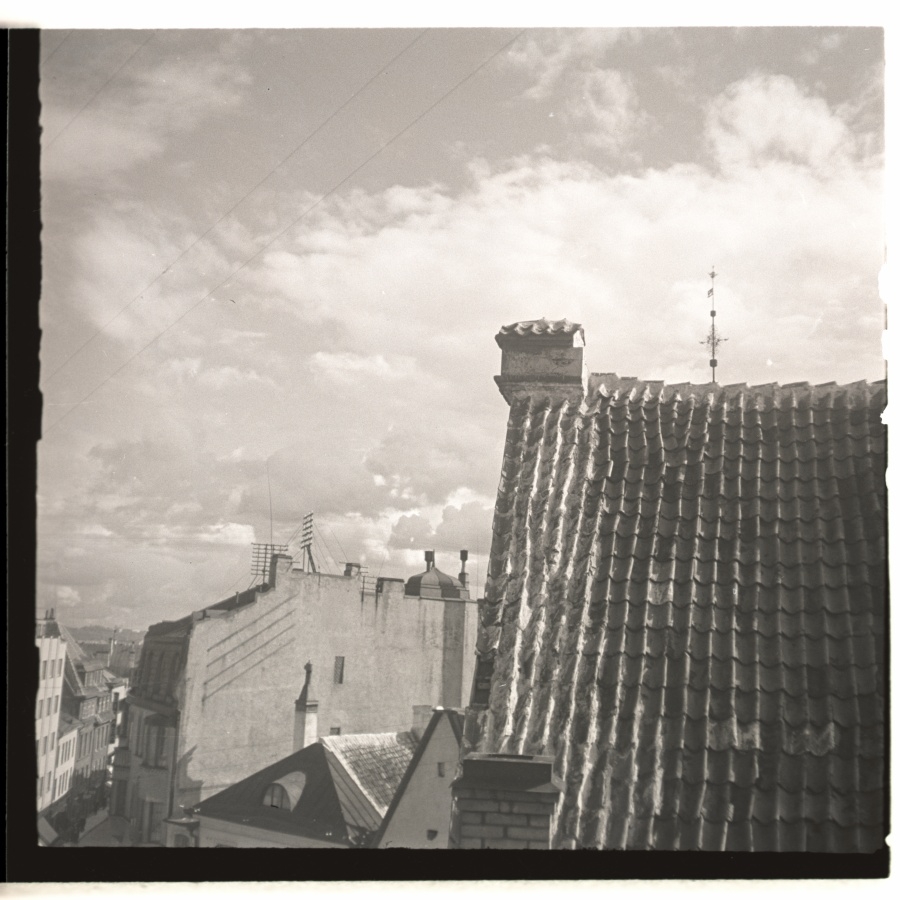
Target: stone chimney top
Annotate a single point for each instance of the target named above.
(542, 358)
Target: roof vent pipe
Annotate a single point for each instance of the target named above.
(463, 556)
(429, 560)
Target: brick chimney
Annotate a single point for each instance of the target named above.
(504, 802)
(306, 715)
(542, 359)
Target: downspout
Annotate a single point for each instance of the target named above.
(174, 770)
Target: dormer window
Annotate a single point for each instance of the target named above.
(277, 796)
(285, 792)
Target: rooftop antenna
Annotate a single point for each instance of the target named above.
(712, 339)
(269, 485)
(306, 543)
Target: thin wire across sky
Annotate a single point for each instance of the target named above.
(284, 230)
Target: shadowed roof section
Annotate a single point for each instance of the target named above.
(317, 814)
(685, 608)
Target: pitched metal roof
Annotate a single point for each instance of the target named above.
(685, 607)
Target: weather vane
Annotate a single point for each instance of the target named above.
(712, 339)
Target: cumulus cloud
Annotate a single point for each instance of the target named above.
(347, 368)
(550, 55)
(768, 117)
(133, 114)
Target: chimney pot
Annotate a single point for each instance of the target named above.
(542, 358)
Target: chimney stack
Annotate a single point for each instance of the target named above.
(306, 714)
(429, 560)
(504, 801)
(463, 556)
(542, 359)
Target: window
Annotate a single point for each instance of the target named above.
(154, 823)
(440, 766)
(44, 669)
(59, 668)
(44, 745)
(53, 795)
(56, 704)
(52, 740)
(40, 708)
(335, 729)
(339, 670)
(277, 797)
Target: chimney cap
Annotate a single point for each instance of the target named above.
(544, 330)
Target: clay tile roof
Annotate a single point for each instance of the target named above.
(376, 761)
(541, 326)
(685, 608)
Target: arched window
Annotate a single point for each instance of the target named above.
(276, 796)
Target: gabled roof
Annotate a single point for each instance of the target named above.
(685, 607)
(376, 762)
(455, 718)
(318, 812)
(74, 650)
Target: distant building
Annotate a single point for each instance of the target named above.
(418, 817)
(333, 793)
(87, 700)
(220, 694)
(51, 645)
(682, 643)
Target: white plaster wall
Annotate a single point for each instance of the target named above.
(425, 803)
(244, 671)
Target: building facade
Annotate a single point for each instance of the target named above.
(51, 646)
(418, 817)
(216, 694)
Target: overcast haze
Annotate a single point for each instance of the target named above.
(237, 277)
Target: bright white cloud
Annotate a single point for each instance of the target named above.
(767, 118)
(346, 368)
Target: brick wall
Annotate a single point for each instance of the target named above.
(503, 802)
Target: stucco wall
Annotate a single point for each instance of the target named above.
(51, 654)
(425, 804)
(245, 670)
(218, 833)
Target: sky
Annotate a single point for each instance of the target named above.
(274, 262)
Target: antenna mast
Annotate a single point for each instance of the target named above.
(306, 542)
(712, 339)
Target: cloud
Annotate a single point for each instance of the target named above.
(147, 98)
(347, 368)
(768, 117)
(550, 55)
(609, 106)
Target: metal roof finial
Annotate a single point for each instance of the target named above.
(712, 339)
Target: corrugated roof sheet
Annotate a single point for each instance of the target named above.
(686, 607)
(376, 761)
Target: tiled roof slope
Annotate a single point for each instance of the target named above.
(686, 607)
(376, 761)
